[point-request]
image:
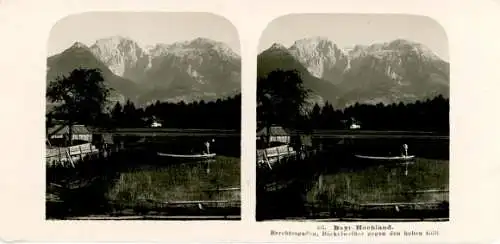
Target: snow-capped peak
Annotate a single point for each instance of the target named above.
(323, 57)
(413, 46)
(380, 50)
(277, 46)
(126, 58)
(203, 41)
(78, 45)
(197, 45)
(157, 50)
(314, 41)
(118, 53)
(317, 54)
(113, 40)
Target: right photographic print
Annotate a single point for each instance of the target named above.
(353, 119)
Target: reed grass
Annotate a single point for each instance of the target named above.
(128, 184)
(179, 182)
(383, 184)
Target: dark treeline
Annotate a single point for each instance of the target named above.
(427, 115)
(219, 114)
(90, 94)
(281, 100)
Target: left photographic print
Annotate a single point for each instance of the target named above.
(143, 117)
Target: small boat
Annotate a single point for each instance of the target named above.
(404, 157)
(395, 158)
(187, 156)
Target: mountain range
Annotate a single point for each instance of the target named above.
(189, 70)
(390, 72)
(395, 71)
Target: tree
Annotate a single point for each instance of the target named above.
(80, 97)
(315, 116)
(48, 122)
(130, 115)
(281, 98)
(117, 114)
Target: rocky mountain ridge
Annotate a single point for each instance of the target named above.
(395, 71)
(187, 70)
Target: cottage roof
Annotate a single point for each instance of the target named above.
(64, 129)
(274, 130)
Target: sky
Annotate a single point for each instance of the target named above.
(347, 30)
(144, 28)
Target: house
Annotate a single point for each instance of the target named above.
(80, 133)
(156, 124)
(58, 152)
(354, 126)
(352, 123)
(277, 134)
(277, 148)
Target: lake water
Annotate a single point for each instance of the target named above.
(136, 179)
(335, 179)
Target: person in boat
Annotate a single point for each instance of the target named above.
(207, 146)
(405, 150)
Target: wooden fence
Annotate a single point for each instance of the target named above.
(271, 155)
(69, 155)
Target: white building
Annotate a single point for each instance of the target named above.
(156, 124)
(354, 126)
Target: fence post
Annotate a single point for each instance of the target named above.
(69, 157)
(58, 155)
(81, 153)
(278, 152)
(267, 159)
(91, 152)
